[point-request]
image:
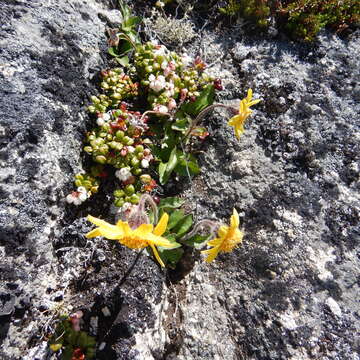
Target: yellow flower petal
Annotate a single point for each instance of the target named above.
(249, 95)
(162, 224)
(105, 229)
(215, 242)
(93, 233)
(223, 229)
(157, 256)
(212, 253)
(99, 222)
(159, 241)
(234, 220)
(143, 230)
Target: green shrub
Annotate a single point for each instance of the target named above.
(302, 19)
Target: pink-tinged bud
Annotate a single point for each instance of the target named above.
(193, 98)
(123, 152)
(172, 104)
(199, 63)
(183, 94)
(147, 152)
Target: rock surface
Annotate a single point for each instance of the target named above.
(290, 292)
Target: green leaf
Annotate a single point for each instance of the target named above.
(191, 164)
(125, 47)
(171, 203)
(174, 218)
(165, 170)
(182, 122)
(183, 226)
(112, 51)
(205, 99)
(197, 240)
(123, 61)
(180, 125)
(162, 170)
(171, 257)
(130, 22)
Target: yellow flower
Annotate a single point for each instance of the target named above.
(228, 238)
(238, 120)
(143, 236)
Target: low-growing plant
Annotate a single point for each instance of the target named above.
(70, 341)
(167, 96)
(169, 93)
(257, 11)
(306, 17)
(303, 19)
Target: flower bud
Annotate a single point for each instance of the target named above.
(144, 163)
(120, 134)
(139, 149)
(69, 199)
(129, 190)
(88, 149)
(100, 159)
(135, 162)
(104, 149)
(119, 193)
(119, 202)
(100, 121)
(145, 179)
(134, 199)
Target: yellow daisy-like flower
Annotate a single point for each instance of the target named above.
(228, 238)
(238, 120)
(143, 236)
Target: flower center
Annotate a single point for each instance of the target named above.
(134, 242)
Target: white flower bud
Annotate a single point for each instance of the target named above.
(100, 121)
(123, 174)
(160, 108)
(82, 197)
(130, 149)
(158, 84)
(70, 199)
(81, 189)
(77, 201)
(144, 163)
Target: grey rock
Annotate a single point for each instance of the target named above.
(289, 292)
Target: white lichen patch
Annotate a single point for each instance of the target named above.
(205, 322)
(319, 259)
(152, 340)
(288, 320)
(171, 30)
(333, 306)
